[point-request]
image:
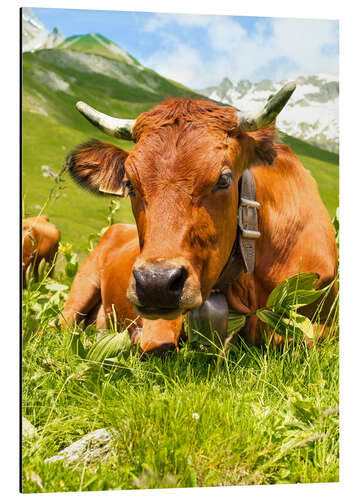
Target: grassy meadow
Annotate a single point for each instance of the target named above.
(196, 417)
(262, 417)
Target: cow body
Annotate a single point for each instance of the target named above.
(40, 241)
(296, 236)
(289, 244)
(182, 177)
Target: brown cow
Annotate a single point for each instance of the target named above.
(40, 241)
(182, 177)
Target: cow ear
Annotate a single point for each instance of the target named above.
(98, 166)
(262, 149)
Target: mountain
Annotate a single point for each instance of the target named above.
(311, 114)
(95, 43)
(35, 35)
(114, 82)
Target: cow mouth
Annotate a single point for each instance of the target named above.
(159, 312)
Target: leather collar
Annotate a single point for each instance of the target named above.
(213, 313)
(242, 257)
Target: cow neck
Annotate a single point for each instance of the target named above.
(242, 257)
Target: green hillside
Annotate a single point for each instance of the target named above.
(94, 43)
(323, 166)
(53, 80)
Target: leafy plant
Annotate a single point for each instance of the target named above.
(71, 258)
(280, 312)
(110, 347)
(42, 302)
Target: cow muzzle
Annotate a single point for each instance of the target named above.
(163, 289)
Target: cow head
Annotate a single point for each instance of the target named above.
(182, 177)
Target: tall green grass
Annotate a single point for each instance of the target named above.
(233, 415)
(265, 417)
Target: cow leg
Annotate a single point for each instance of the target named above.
(101, 320)
(84, 295)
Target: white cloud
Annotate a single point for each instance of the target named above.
(290, 47)
(180, 63)
(158, 21)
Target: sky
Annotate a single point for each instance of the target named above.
(200, 50)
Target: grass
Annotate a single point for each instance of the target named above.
(197, 417)
(261, 417)
(324, 167)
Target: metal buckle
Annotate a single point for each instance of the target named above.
(244, 205)
(251, 235)
(249, 203)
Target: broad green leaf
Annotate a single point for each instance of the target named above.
(77, 346)
(109, 346)
(300, 298)
(302, 323)
(295, 325)
(42, 269)
(271, 318)
(277, 296)
(29, 275)
(301, 281)
(36, 306)
(235, 322)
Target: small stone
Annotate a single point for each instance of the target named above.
(95, 445)
(29, 431)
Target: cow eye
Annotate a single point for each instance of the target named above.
(223, 182)
(129, 187)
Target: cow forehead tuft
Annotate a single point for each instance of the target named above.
(185, 113)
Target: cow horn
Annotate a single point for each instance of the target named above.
(272, 108)
(115, 127)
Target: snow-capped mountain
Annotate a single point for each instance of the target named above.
(35, 35)
(310, 115)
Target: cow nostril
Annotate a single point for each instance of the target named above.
(159, 287)
(177, 281)
(139, 278)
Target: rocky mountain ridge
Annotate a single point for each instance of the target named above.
(35, 35)
(311, 114)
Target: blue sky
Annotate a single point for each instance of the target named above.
(200, 51)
